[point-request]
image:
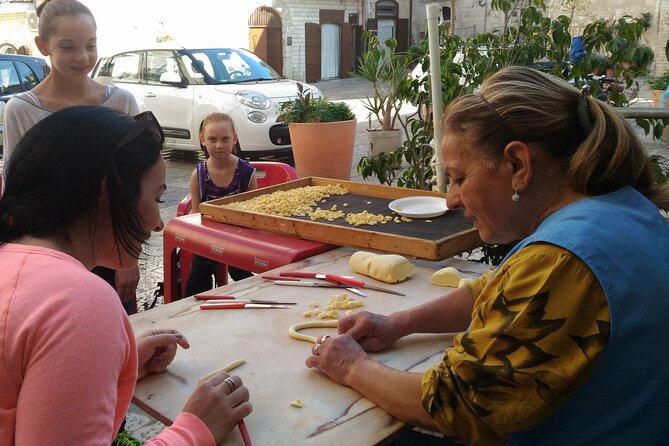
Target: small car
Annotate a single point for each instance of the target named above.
(183, 85)
(18, 74)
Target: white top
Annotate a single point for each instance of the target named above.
(25, 110)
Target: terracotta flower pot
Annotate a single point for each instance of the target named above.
(656, 98)
(384, 141)
(657, 95)
(323, 149)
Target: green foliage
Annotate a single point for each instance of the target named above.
(308, 109)
(659, 82)
(493, 254)
(528, 38)
(660, 168)
(416, 152)
(387, 71)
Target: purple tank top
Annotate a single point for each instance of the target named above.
(240, 181)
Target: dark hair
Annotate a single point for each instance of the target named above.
(598, 151)
(51, 9)
(57, 170)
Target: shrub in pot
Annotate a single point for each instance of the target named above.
(387, 71)
(322, 135)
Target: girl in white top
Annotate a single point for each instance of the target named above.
(67, 35)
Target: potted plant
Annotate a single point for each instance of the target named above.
(386, 70)
(659, 86)
(322, 134)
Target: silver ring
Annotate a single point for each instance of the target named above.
(315, 348)
(231, 384)
(324, 338)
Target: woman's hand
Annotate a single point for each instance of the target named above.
(126, 284)
(337, 357)
(156, 350)
(374, 332)
(220, 402)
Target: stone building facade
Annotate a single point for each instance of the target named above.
(309, 39)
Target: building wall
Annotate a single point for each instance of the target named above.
(294, 14)
(14, 29)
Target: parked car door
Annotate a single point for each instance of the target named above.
(18, 74)
(170, 99)
(169, 95)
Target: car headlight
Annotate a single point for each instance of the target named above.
(253, 99)
(257, 117)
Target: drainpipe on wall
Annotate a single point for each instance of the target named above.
(485, 15)
(364, 15)
(410, 22)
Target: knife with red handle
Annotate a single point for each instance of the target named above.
(239, 306)
(291, 275)
(339, 279)
(218, 299)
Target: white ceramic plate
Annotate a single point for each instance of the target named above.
(419, 207)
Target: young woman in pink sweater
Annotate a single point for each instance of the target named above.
(83, 190)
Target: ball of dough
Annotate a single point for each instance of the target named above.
(389, 268)
(465, 282)
(448, 276)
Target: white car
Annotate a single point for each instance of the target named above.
(181, 86)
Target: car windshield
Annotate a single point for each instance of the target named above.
(226, 66)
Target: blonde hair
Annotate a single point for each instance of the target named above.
(216, 117)
(51, 9)
(212, 118)
(598, 156)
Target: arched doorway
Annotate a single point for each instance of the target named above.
(265, 36)
(387, 23)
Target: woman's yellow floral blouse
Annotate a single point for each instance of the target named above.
(538, 327)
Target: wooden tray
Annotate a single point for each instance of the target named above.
(444, 236)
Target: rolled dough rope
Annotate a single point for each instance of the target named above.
(294, 331)
(227, 368)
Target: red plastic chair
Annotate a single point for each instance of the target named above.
(268, 173)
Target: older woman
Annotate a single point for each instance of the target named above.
(85, 183)
(564, 342)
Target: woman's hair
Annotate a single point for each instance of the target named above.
(212, 118)
(56, 175)
(51, 9)
(597, 148)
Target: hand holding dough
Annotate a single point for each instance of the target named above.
(227, 368)
(294, 333)
(389, 268)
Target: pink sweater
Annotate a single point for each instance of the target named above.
(68, 360)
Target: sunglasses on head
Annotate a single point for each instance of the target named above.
(144, 121)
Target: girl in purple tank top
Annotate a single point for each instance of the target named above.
(220, 175)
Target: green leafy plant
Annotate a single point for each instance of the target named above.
(387, 71)
(306, 109)
(660, 168)
(658, 82)
(530, 40)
